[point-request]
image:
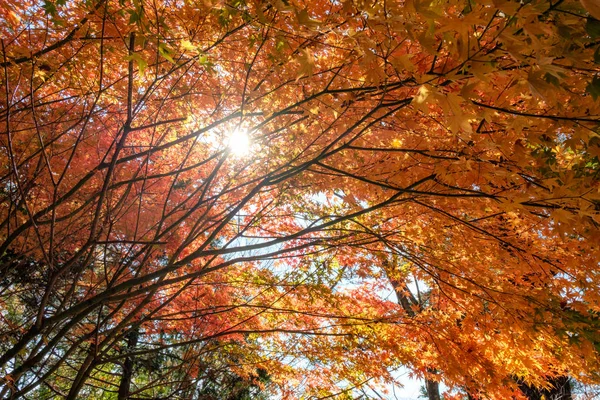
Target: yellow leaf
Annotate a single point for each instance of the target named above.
(187, 45)
(307, 64)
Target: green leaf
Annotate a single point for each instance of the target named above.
(597, 55)
(593, 88)
(280, 45)
(468, 7)
(551, 79)
(205, 62)
(165, 52)
(133, 17)
(592, 27)
(49, 7)
(142, 64)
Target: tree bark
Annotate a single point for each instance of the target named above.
(84, 371)
(433, 389)
(407, 301)
(128, 364)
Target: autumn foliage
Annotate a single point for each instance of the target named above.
(420, 189)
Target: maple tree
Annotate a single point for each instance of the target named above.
(214, 198)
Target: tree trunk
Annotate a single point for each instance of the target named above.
(407, 301)
(124, 386)
(433, 389)
(84, 371)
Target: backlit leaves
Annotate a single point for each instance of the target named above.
(421, 191)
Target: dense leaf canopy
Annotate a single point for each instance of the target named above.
(291, 198)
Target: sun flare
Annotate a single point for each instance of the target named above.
(239, 142)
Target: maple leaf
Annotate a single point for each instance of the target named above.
(422, 192)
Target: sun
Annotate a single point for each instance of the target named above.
(239, 142)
